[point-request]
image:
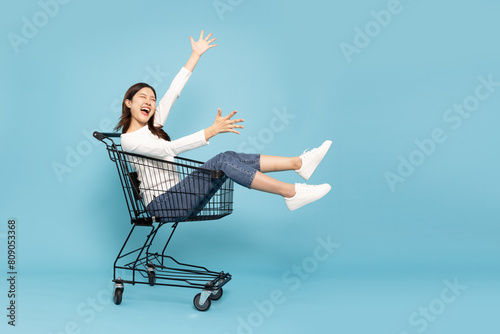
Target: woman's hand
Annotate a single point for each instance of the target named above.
(223, 124)
(199, 48)
(202, 45)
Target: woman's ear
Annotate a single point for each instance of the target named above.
(128, 103)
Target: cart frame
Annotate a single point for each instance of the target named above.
(143, 264)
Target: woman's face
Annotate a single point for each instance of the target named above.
(142, 106)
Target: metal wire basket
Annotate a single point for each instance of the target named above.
(206, 195)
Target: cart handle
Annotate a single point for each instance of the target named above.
(102, 135)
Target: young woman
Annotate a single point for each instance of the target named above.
(141, 123)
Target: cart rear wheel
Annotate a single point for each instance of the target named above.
(217, 295)
(117, 296)
(196, 302)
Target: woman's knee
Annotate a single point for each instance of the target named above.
(220, 159)
(224, 155)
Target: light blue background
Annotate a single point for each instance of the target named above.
(396, 247)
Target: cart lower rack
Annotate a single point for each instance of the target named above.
(176, 191)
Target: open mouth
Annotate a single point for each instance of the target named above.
(145, 110)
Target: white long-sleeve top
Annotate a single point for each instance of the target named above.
(156, 177)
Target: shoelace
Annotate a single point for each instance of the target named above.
(308, 153)
(306, 187)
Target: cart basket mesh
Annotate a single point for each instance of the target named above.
(171, 191)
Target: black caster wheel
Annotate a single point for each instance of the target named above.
(117, 296)
(197, 305)
(217, 295)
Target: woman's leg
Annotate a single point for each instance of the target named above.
(266, 183)
(271, 163)
(295, 196)
(246, 170)
(304, 165)
(186, 198)
(267, 163)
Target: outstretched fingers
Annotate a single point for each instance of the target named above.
(239, 120)
(233, 125)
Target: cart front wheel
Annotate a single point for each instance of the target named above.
(196, 302)
(217, 294)
(117, 296)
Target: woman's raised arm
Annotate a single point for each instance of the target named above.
(168, 100)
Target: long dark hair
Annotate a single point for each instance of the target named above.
(126, 117)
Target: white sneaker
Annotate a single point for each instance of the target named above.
(312, 158)
(305, 194)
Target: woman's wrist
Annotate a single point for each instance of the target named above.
(195, 55)
(210, 132)
(192, 61)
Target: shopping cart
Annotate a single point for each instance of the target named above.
(205, 195)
